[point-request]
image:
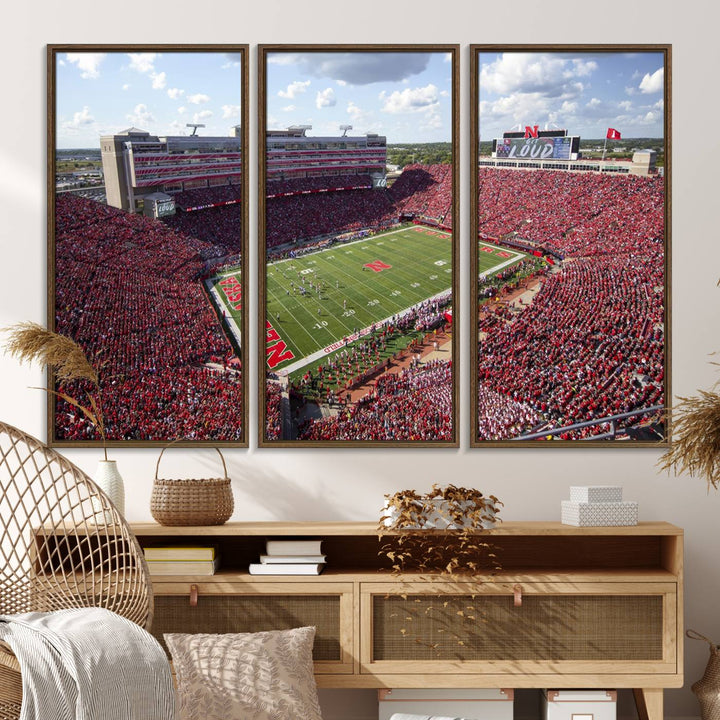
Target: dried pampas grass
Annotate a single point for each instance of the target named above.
(696, 438)
(30, 342)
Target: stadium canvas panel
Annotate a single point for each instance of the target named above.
(358, 279)
(570, 247)
(147, 238)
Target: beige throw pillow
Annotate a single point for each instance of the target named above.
(246, 676)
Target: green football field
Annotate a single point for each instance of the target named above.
(361, 283)
(492, 258)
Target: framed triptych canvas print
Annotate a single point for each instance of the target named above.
(359, 262)
(147, 239)
(570, 245)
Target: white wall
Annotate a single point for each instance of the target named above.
(328, 485)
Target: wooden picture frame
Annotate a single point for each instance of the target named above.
(579, 334)
(167, 128)
(337, 371)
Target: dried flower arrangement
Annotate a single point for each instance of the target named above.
(30, 342)
(696, 438)
(439, 532)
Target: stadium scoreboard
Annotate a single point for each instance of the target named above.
(537, 148)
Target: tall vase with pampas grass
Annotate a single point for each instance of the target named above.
(30, 342)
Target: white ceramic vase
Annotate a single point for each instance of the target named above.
(108, 479)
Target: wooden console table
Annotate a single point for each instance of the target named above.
(572, 607)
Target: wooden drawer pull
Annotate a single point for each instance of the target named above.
(517, 593)
(193, 595)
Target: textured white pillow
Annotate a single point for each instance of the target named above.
(246, 676)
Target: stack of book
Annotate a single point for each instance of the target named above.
(182, 560)
(290, 557)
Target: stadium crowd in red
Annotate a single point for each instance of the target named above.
(415, 404)
(425, 190)
(128, 291)
(591, 342)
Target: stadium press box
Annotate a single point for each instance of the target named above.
(579, 705)
(475, 704)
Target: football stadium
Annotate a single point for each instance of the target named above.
(131, 288)
(570, 347)
(358, 291)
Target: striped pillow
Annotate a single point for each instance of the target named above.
(246, 676)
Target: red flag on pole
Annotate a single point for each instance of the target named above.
(613, 134)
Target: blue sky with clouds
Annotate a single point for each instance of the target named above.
(104, 93)
(406, 96)
(585, 93)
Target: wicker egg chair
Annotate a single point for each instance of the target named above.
(62, 545)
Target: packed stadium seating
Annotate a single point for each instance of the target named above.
(415, 404)
(591, 342)
(425, 190)
(128, 291)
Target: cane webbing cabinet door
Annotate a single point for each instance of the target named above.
(527, 628)
(571, 607)
(227, 606)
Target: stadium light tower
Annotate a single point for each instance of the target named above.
(194, 126)
(301, 127)
(345, 129)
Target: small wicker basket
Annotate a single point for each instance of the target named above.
(207, 501)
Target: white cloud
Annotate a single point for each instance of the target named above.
(650, 117)
(159, 80)
(202, 116)
(230, 111)
(652, 83)
(80, 119)
(341, 83)
(447, 57)
(198, 99)
(625, 105)
(141, 116)
(325, 98)
(289, 108)
(630, 91)
(175, 93)
(294, 89)
(126, 86)
(182, 110)
(660, 104)
(593, 102)
(410, 100)
(546, 74)
(87, 63)
(142, 62)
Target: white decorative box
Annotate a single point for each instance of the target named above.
(475, 704)
(579, 705)
(596, 493)
(597, 514)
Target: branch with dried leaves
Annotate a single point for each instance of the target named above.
(458, 545)
(30, 342)
(696, 438)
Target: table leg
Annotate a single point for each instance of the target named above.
(649, 703)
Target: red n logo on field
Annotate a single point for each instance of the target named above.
(278, 352)
(531, 131)
(377, 265)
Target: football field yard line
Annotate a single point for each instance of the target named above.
(369, 297)
(308, 359)
(291, 315)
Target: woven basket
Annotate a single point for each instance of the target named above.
(707, 689)
(207, 501)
